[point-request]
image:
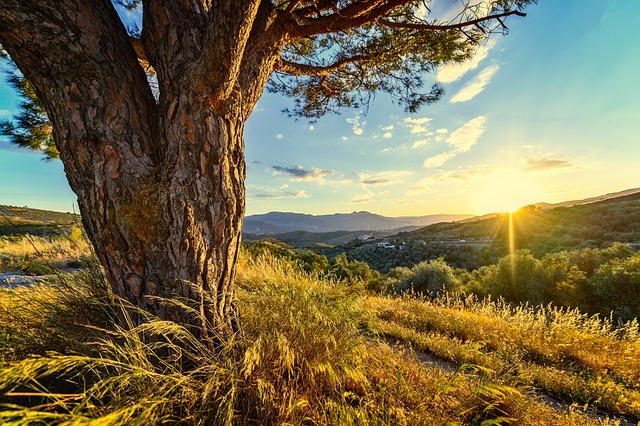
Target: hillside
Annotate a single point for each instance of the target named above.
(24, 220)
(542, 230)
(477, 242)
(612, 195)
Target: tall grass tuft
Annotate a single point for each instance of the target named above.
(39, 255)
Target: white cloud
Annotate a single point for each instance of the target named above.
(442, 131)
(423, 120)
(451, 72)
(279, 136)
(475, 86)
(387, 135)
(389, 127)
(416, 124)
(5, 112)
(358, 127)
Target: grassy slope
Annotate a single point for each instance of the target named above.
(308, 355)
(24, 220)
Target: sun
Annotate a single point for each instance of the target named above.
(506, 195)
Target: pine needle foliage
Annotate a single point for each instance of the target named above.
(30, 127)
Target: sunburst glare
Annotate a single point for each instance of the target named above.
(506, 194)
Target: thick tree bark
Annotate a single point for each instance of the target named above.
(160, 183)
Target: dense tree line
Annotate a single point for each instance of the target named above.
(597, 281)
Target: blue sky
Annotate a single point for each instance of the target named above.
(549, 113)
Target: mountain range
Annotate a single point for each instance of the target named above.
(285, 222)
(280, 222)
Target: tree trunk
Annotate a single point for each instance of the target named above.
(174, 233)
(160, 182)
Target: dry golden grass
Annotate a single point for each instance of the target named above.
(38, 254)
(566, 354)
(303, 358)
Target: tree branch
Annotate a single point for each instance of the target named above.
(356, 14)
(292, 5)
(432, 27)
(297, 69)
(228, 32)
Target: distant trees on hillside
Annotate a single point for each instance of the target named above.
(597, 281)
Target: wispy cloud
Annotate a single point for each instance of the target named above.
(463, 138)
(461, 174)
(360, 200)
(426, 185)
(419, 143)
(388, 177)
(545, 162)
(396, 148)
(267, 193)
(452, 72)
(460, 140)
(4, 112)
(280, 195)
(299, 173)
(367, 197)
(475, 86)
(279, 136)
(438, 160)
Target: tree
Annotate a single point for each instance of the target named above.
(159, 175)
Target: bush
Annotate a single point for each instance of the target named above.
(616, 286)
(517, 278)
(429, 278)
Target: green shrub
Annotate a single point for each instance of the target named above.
(616, 285)
(429, 278)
